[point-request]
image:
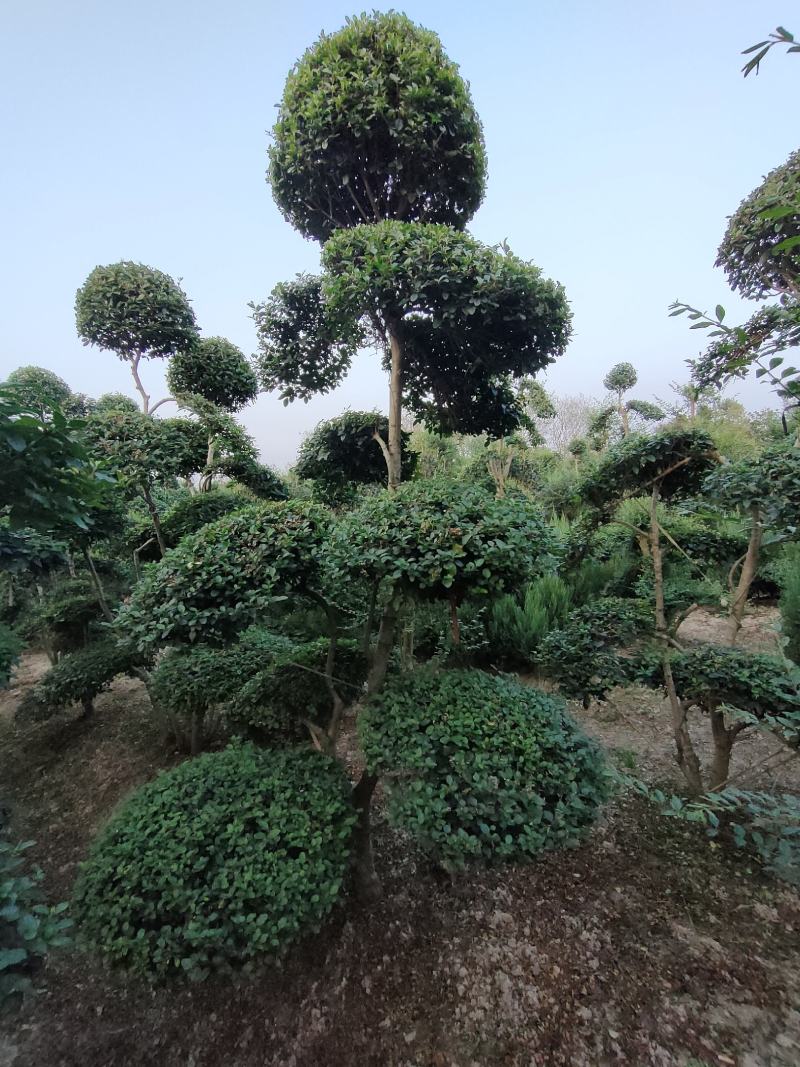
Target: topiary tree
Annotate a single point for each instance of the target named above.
(216, 370)
(225, 857)
(113, 402)
(376, 123)
(577, 448)
(337, 455)
(480, 767)
(138, 313)
(766, 492)
(40, 390)
(387, 177)
(620, 380)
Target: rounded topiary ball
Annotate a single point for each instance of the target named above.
(226, 857)
(215, 369)
(482, 768)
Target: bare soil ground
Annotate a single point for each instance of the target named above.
(649, 945)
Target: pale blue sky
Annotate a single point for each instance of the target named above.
(620, 135)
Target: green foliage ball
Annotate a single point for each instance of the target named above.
(769, 216)
(221, 579)
(40, 389)
(482, 768)
(114, 402)
(227, 857)
(134, 310)
(621, 378)
(375, 120)
(215, 369)
(441, 540)
(192, 512)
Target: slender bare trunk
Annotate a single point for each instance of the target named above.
(723, 743)
(623, 414)
(383, 648)
(685, 753)
(369, 622)
(455, 626)
(71, 564)
(151, 507)
(746, 576)
(98, 585)
(394, 445)
(139, 387)
(207, 479)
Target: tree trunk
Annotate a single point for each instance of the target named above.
(455, 626)
(98, 585)
(151, 507)
(139, 387)
(685, 753)
(367, 883)
(207, 479)
(394, 457)
(723, 743)
(383, 649)
(623, 414)
(88, 707)
(748, 573)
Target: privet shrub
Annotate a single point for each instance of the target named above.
(273, 705)
(582, 656)
(80, 676)
(481, 768)
(228, 856)
(29, 928)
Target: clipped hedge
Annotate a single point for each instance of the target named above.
(228, 856)
(480, 767)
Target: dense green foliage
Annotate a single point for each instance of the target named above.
(226, 857)
(134, 310)
(760, 251)
(376, 122)
(439, 540)
(222, 578)
(141, 450)
(40, 390)
(28, 927)
(769, 483)
(342, 453)
(274, 705)
(469, 317)
(215, 369)
(481, 767)
(79, 676)
(190, 513)
(10, 648)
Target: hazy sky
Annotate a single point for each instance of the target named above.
(620, 135)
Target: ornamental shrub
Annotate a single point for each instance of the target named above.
(80, 676)
(221, 579)
(61, 619)
(189, 513)
(441, 540)
(272, 706)
(480, 767)
(29, 928)
(226, 857)
(215, 369)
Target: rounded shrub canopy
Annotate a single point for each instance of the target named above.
(481, 768)
(376, 123)
(37, 388)
(220, 579)
(218, 861)
(759, 252)
(441, 540)
(217, 370)
(134, 310)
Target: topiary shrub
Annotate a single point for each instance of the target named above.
(215, 369)
(481, 768)
(190, 513)
(29, 928)
(60, 620)
(80, 676)
(228, 856)
(274, 705)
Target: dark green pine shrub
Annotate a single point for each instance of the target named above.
(218, 861)
(80, 676)
(274, 704)
(481, 768)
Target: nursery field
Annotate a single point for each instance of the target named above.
(646, 945)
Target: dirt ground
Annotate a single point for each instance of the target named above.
(649, 945)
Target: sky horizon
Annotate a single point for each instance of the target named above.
(619, 139)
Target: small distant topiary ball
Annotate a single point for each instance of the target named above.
(481, 768)
(227, 857)
(217, 370)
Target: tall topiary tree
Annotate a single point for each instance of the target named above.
(378, 151)
(620, 380)
(138, 313)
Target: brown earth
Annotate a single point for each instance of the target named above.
(649, 945)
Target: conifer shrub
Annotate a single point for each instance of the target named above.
(481, 768)
(226, 857)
